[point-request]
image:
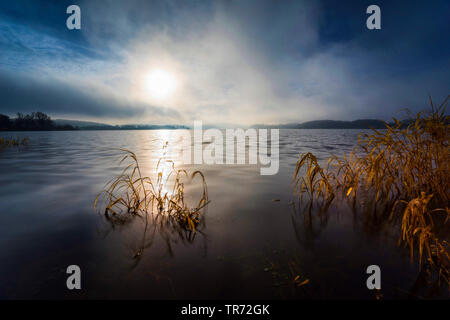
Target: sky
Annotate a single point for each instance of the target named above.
(223, 62)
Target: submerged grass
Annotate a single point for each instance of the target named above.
(160, 201)
(12, 142)
(402, 170)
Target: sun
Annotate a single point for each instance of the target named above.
(160, 84)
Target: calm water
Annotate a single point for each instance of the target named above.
(250, 245)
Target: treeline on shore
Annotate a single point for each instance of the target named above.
(39, 121)
(36, 121)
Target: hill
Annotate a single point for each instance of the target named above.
(329, 124)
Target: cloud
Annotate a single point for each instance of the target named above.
(27, 94)
(241, 62)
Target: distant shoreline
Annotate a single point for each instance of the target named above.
(38, 121)
(316, 124)
(187, 128)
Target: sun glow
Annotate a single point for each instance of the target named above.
(160, 84)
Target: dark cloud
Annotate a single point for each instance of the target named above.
(19, 93)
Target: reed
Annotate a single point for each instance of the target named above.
(132, 194)
(403, 170)
(316, 181)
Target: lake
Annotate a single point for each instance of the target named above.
(255, 238)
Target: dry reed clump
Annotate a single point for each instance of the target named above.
(12, 142)
(405, 171)
(315, 182)
(132, 194)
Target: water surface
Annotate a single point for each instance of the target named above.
(250, 245)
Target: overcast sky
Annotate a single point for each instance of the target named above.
(238, 62)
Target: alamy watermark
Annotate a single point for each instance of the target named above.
(211, 147)
(373, 22)
(74, 280)
(74, 20)
(374, 280)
